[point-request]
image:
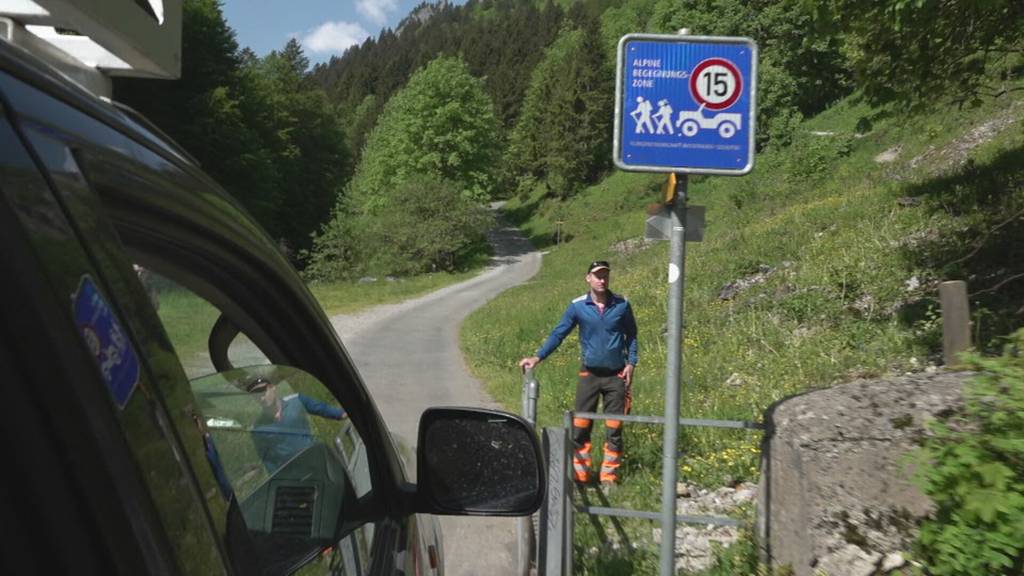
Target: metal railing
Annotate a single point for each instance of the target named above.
(545, 547)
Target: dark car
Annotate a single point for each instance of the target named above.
(135, 447)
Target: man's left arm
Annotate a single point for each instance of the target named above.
(629, 327)
(322, 409)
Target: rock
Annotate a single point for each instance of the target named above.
(694, 545)
(631, 246)
(892, 562)
(865, 305)
(802, 332)
(682, 490)
(849, 561)
(732, 289)
(889, 155)
(367, 280)
(912, 284)
(834, 475)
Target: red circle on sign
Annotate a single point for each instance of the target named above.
(733, 85)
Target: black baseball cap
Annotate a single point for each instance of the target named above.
(598, 265)
(258, 384)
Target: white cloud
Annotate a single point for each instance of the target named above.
(377, 10)
(334, 37)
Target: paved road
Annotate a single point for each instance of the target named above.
(408, 354)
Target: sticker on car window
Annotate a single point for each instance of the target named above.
(106, 340)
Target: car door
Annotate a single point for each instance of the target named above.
(105, 424)
(124, 203)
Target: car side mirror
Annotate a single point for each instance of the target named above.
(477, 462)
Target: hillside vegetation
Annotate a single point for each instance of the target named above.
(492, 98)
(819, 267)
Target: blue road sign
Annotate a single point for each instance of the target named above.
(685, 104)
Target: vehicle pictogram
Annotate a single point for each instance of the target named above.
(692, 121)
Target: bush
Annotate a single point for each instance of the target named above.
(428, 225)
(813, 155)
(973, 469)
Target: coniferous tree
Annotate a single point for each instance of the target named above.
(204, 111)
(563, 136)
(259, 126)
(306, 142)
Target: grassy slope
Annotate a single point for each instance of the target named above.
(841, 302)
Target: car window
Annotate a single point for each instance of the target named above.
(262, 418)
(276, 440)
(270, 438)
(189, 320)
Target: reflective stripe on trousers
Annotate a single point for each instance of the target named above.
(610, 464)
(581, 463)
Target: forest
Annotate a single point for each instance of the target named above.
(382, 161)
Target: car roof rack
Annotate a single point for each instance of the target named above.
(90, 41)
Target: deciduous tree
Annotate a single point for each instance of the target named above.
(912, 51)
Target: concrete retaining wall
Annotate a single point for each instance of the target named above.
(835, 493)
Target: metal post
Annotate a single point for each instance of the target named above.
(676, 269)
(569, 486)
(527, 526)
(551, 543)
(956, 320)
(531, 393)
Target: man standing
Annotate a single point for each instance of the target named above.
(608, 355)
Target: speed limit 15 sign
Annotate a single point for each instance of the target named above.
(685, 104)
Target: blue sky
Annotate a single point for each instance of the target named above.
(324, 27)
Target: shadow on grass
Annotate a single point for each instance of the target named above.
(616, 554)
(523, 212)
(984, 246)
(595, 521)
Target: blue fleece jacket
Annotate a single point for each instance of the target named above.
(607, 339)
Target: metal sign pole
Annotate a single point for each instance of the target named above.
(676, 268)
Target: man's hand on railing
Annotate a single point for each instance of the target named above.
(528, 363)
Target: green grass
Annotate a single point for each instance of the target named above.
(852, 292)
(187, 318)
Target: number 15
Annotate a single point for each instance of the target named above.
(719, 81)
